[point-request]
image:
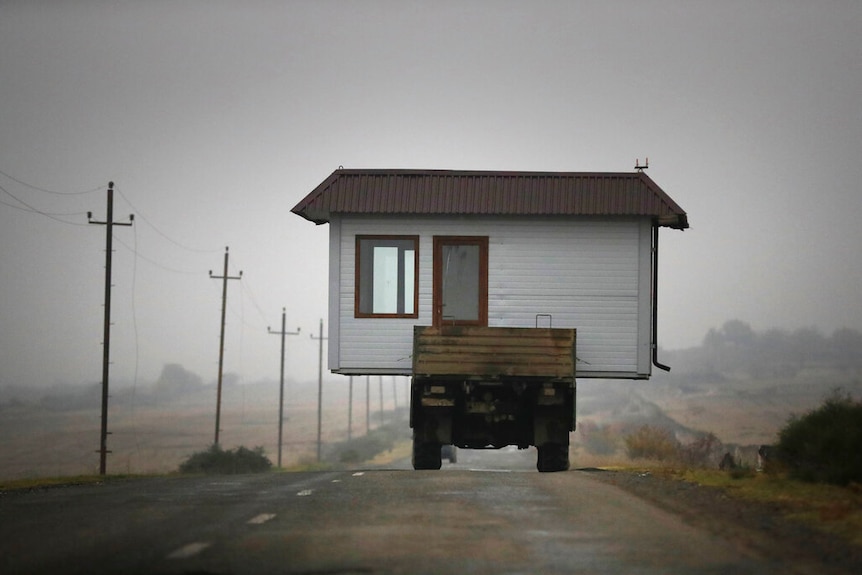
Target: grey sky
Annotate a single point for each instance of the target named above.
(215, 118)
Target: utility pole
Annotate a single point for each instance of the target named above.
(367, 404)
(282, 333)
(109, 224)
(320, 338)
(224, 277)
(350, 411)
(381, 400)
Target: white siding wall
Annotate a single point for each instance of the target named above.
(589, 274)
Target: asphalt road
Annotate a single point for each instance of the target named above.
(487, 514)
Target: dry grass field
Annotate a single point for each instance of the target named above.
(152, 433)
(751, 411)
(743, 413)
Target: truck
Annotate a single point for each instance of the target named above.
(482, 387)
(445, 276)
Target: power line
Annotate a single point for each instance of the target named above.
(47, 191)
(246, 288)
(161, 233)
(31, 209)
(138, 254)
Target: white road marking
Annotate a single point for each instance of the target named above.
(359, 474)
(305, 493)
(189, 550)
(262, 518)
(336, 481)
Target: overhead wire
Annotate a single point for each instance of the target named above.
(22, 205)
(16, 202)
(151, 261)
(160, 232)
(32, 209)
(53, 192)
(247, 288)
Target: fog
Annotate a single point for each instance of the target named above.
(214, 118)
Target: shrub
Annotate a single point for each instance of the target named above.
(598, 439)
(649, 442)
(825, 445)
(700, 452)
(217, 461)
(741, 472)
(366, 447)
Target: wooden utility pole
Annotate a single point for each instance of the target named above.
(224, 277)
(109, 224)
(282, 333)
(381, 399)
(367, 404)
(350, 411)
(320, 338)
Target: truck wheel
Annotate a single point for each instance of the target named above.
(552, 457)
(426, 455)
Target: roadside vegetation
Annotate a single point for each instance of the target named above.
(48, 482)
(367, 447)
(217, 461)
(813, 474)
(825, 445)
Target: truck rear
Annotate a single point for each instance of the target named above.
(490, 387)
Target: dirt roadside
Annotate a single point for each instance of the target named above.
(761, 527)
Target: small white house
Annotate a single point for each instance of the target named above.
(499, 249)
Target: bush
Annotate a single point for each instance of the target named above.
(598, 439)
(741, 472)
(217, 461)
(825, 445)
(701, 451)
(649, 442)
(366, 447)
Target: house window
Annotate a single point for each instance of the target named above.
(460, 280)
(386, 278)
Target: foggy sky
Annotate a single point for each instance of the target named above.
(215, 118)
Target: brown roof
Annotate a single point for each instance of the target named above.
(423, 192)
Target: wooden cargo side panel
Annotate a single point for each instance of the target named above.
(452, 351)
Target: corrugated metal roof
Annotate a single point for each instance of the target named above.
(424, 192)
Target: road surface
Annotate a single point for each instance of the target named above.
(472, 518)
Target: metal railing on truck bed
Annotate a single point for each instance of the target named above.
(494, 352)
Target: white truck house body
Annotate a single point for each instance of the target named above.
(578, 253)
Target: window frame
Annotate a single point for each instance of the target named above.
(357, 312)
(437, 295)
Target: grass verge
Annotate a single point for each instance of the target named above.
(829, 508)
(45, 482)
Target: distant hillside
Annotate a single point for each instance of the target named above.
(736, 350)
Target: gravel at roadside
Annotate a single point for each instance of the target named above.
(758, 526)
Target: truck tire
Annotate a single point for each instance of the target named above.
(552, 457)
(426, 455)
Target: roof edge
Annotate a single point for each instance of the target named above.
(305, 208)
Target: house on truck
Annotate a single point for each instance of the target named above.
(490, 250)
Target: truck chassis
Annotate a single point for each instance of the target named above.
(486, 388)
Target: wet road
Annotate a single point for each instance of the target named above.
(473, 517)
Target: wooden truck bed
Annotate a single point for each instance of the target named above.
(494, 352)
